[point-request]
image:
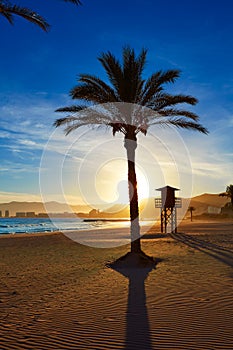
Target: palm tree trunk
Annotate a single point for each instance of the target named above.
(131, 145)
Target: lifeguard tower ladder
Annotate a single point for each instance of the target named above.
(168, 205)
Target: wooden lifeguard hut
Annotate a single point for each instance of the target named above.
(168, 205)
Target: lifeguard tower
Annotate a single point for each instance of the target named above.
(168, 205)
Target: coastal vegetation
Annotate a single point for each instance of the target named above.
(228, 193)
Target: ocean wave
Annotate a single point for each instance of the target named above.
(35, 225)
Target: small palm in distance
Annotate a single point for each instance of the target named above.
(191, 209)
(127, 86)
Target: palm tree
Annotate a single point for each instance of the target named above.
(228, 193)
(128, 88)
(191, 209)
(8, 10)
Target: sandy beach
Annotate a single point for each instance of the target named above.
(58, 294)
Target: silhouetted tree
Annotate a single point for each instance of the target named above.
(9, 10)
(228, 193)
(191, 209)
(128, 86)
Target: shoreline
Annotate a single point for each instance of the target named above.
(151, 228)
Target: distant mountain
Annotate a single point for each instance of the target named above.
(202, 204)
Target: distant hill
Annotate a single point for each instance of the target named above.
(201, 203)
(207, 203)
(118, 210)
(211, 199)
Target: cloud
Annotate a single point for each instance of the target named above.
(5, 134)
(17, 196)
(12, 168)
(32, 135)
(27, 143)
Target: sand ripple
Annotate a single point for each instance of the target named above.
(185, 303)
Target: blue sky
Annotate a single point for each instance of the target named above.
(38, 69)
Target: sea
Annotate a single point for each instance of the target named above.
(35, 225)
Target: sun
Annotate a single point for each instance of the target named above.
(142, 184)
(112, 185)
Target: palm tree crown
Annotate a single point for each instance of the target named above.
(9, 10)
(128, 86)
(228, 193)
(130, 105)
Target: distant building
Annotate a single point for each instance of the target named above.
(30, 214)
(7, 213)
(43, 215)
(0, 213)
(20, 215)
(214, 210)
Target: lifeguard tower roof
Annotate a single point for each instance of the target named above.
(167, 188)
(168, 196)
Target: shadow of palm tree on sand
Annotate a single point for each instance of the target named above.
(220, 253)
(138, 334)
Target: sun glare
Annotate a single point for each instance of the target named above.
(143, 185)
(112, 185)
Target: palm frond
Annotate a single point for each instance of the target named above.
(118, 127)
(155, 82)
(64, 121)
(224, 194)
(76, 2)
(177, 112)
(141, 61)
(4, 11)
(143, 129)
(75, 126)
(130, 75)
(93, 83)
(181, 123)
(71, 109)
(88, 116)
(166, 100)
(113, 69)
(89, 93)
(26, 13)
(132, 69)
